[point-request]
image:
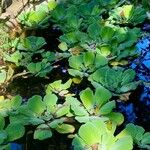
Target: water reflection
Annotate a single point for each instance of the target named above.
(137, 109)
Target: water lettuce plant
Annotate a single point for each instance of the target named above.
(116, 80)
(9, 105)
(128, 14)
(44, 113)
(85, 64)
(96, 135)
(93, 35)
(59, 88)
(31, 55)
(39, 18)
(140, 137)
(7, 133)
(95, 106)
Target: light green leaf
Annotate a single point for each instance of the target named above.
(101, 96)
(76, 62)
(88, 58)
(75, 73)
(116, 117)
(65, 128)
(52, 4)
(91, 132)
(87, 98)
(63, 46)
(3, 76)
(124, 143)
(63, 111)
(50, 100)
(42, 132)
(16, 102)
(36, 104)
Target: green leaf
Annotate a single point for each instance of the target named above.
(63, 46)
(78, 143)
(79, 110)
(15, 131)
(2, 122)
(128, 76)
(3, 76)
(83, 119)
(75, 73)
(129, 86)
(116, 117)
(34, 67)
(16, 102)
(65, 128)
(52, 4)
(101, 96)
(76, 62)
(50, 100)
(124, 143)
(66, 85)
(107, 108)
(55, 123)
(107, 33)
(146, 139)
(42, 132)
(87, 98)
(14, 57)
(135, 131)
(88, 58)
(100, 61)
(91, 132)
(104, 50)
(62, 111)
(3, 136)
(36, 104)
(32, 43)
(94, 30)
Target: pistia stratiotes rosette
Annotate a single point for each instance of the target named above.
(128, 14)
(96, 135)
(117, 80)
(95, 106)
(86, 63)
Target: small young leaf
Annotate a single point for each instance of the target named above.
(65, 128)
(42, 132)
(63, 46)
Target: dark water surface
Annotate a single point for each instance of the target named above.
(136, 110)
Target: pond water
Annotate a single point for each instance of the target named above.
(135, 110)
